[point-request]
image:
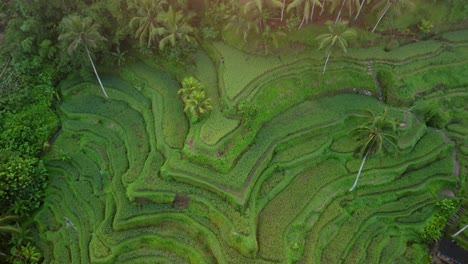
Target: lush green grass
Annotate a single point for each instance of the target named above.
(265, 177)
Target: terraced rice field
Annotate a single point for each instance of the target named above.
(132, 182)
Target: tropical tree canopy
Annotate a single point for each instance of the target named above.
(77, 30)
(176, 28)
(146, 22)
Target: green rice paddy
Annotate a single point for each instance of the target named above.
(131, 181)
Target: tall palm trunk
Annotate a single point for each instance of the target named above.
(326, 62)
(302, 22)
(339, 12)
(312, 11)
(323, 7)
(359, 172)
(460, 231)
(282, 10)
(95, 71)
(381, 16)
(360, 8)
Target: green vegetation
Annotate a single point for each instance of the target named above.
(223, 137)
(374, 136)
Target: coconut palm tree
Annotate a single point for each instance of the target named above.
(308, 7)
(119, 56)
(376, 135)
(323, 7)
(338, 34)
(270, 36)
(5, 227)
(146, 22)
(198, 104)
(460, 231)
(351, 6)
(243, 24)
(77, 31)
(193, 95)
(260, 9)
(361, 5)
(175, 28)
(283, 7)
(339, 11)
(397, 4)
(189, 85)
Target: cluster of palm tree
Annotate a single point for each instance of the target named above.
(253, 19)
(193, 95)
(156, 21)
(260, 10)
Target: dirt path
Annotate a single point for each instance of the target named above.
(456, 164)
(378, 87)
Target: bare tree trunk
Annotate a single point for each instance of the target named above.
(339, 12)
(95, 71)
(312, 11)
(460, 231)
(302, 22)
(383, 14)
(360, 8)
(359, 173)
(323, 7)
(326, 62)
(282, 10)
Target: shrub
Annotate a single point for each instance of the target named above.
(22, 182)
(193, 95)
(25, 128)
(435, 225)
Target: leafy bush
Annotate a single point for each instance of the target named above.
(25, 254)
(22, 182)
(194, 97)
(434, 226)
(25, 128)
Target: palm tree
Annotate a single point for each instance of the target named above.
(339, 11)
(283, 7)
(189, 85)
(377, 135)
(5, 227)
(398, 6)
(350, 5)
(193, 95)
(243, 24)
(308, 7)
(339, 33)
(198, 104)
(176, 28)
(460, 231)
(76, 31)
(271, 36)
(360, 7)
(146, 22)
(119, 56)
(261, 4)
(323, 7)
(260, 9)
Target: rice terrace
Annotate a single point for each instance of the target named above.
(261, 131)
